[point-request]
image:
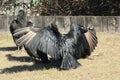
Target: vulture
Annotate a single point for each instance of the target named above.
(18, 23)
(77, 42)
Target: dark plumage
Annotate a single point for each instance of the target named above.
(77, 43)
(18, 23)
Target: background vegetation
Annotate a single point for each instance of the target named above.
(64, 7)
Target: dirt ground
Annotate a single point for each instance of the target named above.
(103, 64)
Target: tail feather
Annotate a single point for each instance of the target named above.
(69, 62)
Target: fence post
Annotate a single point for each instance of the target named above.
(101, 18)
(85, 21)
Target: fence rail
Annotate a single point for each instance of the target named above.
(101, 23)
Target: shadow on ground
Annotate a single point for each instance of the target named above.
(12, 48)
(37, 65)
(19, 59)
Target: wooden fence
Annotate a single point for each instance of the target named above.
(101, 23)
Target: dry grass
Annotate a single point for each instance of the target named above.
(103, 64)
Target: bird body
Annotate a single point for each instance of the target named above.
(19, 22)
(40, 42)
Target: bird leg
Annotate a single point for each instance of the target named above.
(43, 56)
(19, 50)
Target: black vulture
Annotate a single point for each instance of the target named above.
(78, 43)
(18, 23)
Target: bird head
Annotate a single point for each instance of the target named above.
(76, 30)
(21, 15)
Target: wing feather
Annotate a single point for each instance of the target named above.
(39, 39)
(91, 38)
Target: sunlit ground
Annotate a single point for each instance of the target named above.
(103, 64)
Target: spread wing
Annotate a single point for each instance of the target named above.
(42, 39)
(91, 38)
(83, 45)
(86, 43)
(89, 42)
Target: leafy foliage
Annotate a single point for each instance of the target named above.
(66, 7)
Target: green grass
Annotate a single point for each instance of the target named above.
(103, 64)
